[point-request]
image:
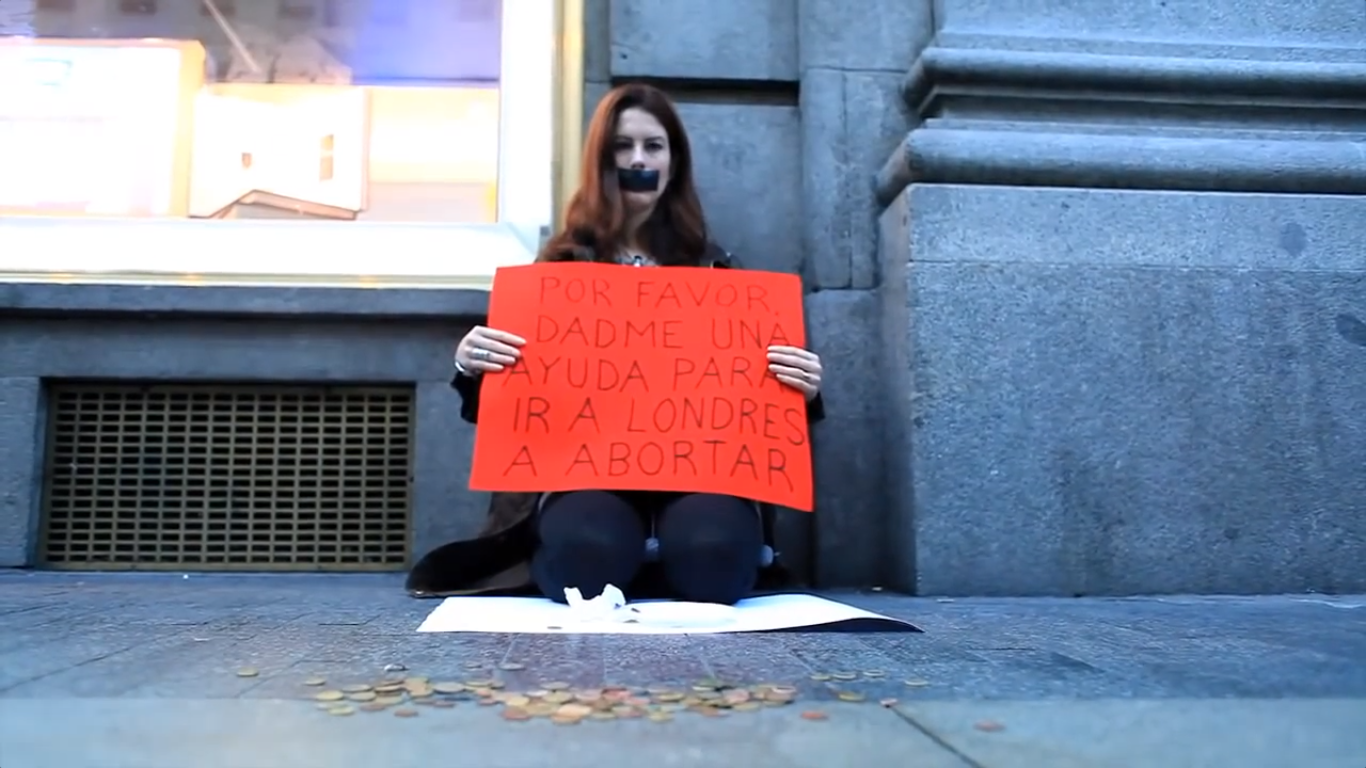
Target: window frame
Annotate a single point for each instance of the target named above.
(541, 85)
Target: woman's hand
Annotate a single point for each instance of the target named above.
(487, 350)
(797, 368)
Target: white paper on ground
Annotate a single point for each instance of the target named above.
(538, 615)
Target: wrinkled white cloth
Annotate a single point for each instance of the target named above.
(608, 606)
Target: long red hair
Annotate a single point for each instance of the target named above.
(595, 221)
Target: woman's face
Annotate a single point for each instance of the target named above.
(642, 143)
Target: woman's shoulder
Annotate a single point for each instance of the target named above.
(716, 256)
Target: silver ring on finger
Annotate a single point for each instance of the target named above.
(480, 354)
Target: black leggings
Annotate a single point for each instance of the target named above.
(709, 545)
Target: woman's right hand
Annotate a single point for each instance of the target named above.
(488, 350)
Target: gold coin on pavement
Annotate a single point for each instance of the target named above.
(385, 688)
(361, 696)
(516, 714)
(389, 701)
(844, 675)
(850, 696)
(511, 666)
(558, 697)
(405, 713)
(329, 696)
(341, 711)
(747, 706)
(669, 696)
(247, 672)
(874, 673)
(917, 683)
(357, 688)
(314, 682)
(373, 706)
(660, 717)
(559, 719)
(517, 701)
(820, 677)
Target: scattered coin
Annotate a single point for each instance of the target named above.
(516, 714)
(356, 688)
(389, 701)
(511, 666)
(888, 702)
(441, 703)
(329, 696)
(850, 696)
(844, 675)
(361, 696)
(394, 668)
(820, 677)
(747, 706)
(917, 683)
(373, 706)
(660, 717)
(874, 673)
(405, 713)
(341, 711)
(989, 726)
(247, 672)
(314, 682)
(416, 680)
(814, 714)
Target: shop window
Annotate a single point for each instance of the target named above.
(277, 140)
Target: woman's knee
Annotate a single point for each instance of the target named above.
(710, 547)
(588, 539)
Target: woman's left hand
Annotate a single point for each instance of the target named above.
(797, 368)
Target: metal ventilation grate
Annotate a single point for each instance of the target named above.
(252, 478)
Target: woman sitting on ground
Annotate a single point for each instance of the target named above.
(636, 205)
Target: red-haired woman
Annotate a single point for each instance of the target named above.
(636, 204)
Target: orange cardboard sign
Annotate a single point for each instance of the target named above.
(647, 379)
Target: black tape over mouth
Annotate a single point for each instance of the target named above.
(637, 180)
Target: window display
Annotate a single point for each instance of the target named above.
(276, 140)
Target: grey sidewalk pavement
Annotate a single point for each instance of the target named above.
(140, 671)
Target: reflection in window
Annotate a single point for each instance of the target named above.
(379, 110)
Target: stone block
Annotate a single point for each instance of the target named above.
(883, 35)
(851, 503)
(1223, 22)
(850, 123)
(21, 473)
(597, 40)
(749, 180)
(1167, 403)
(705, 39)
(444, 507)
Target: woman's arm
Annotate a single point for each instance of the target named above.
(815, 409)
(468, 387)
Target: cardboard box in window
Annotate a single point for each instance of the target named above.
(97, 127)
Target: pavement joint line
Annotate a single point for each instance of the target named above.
(930, 734)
